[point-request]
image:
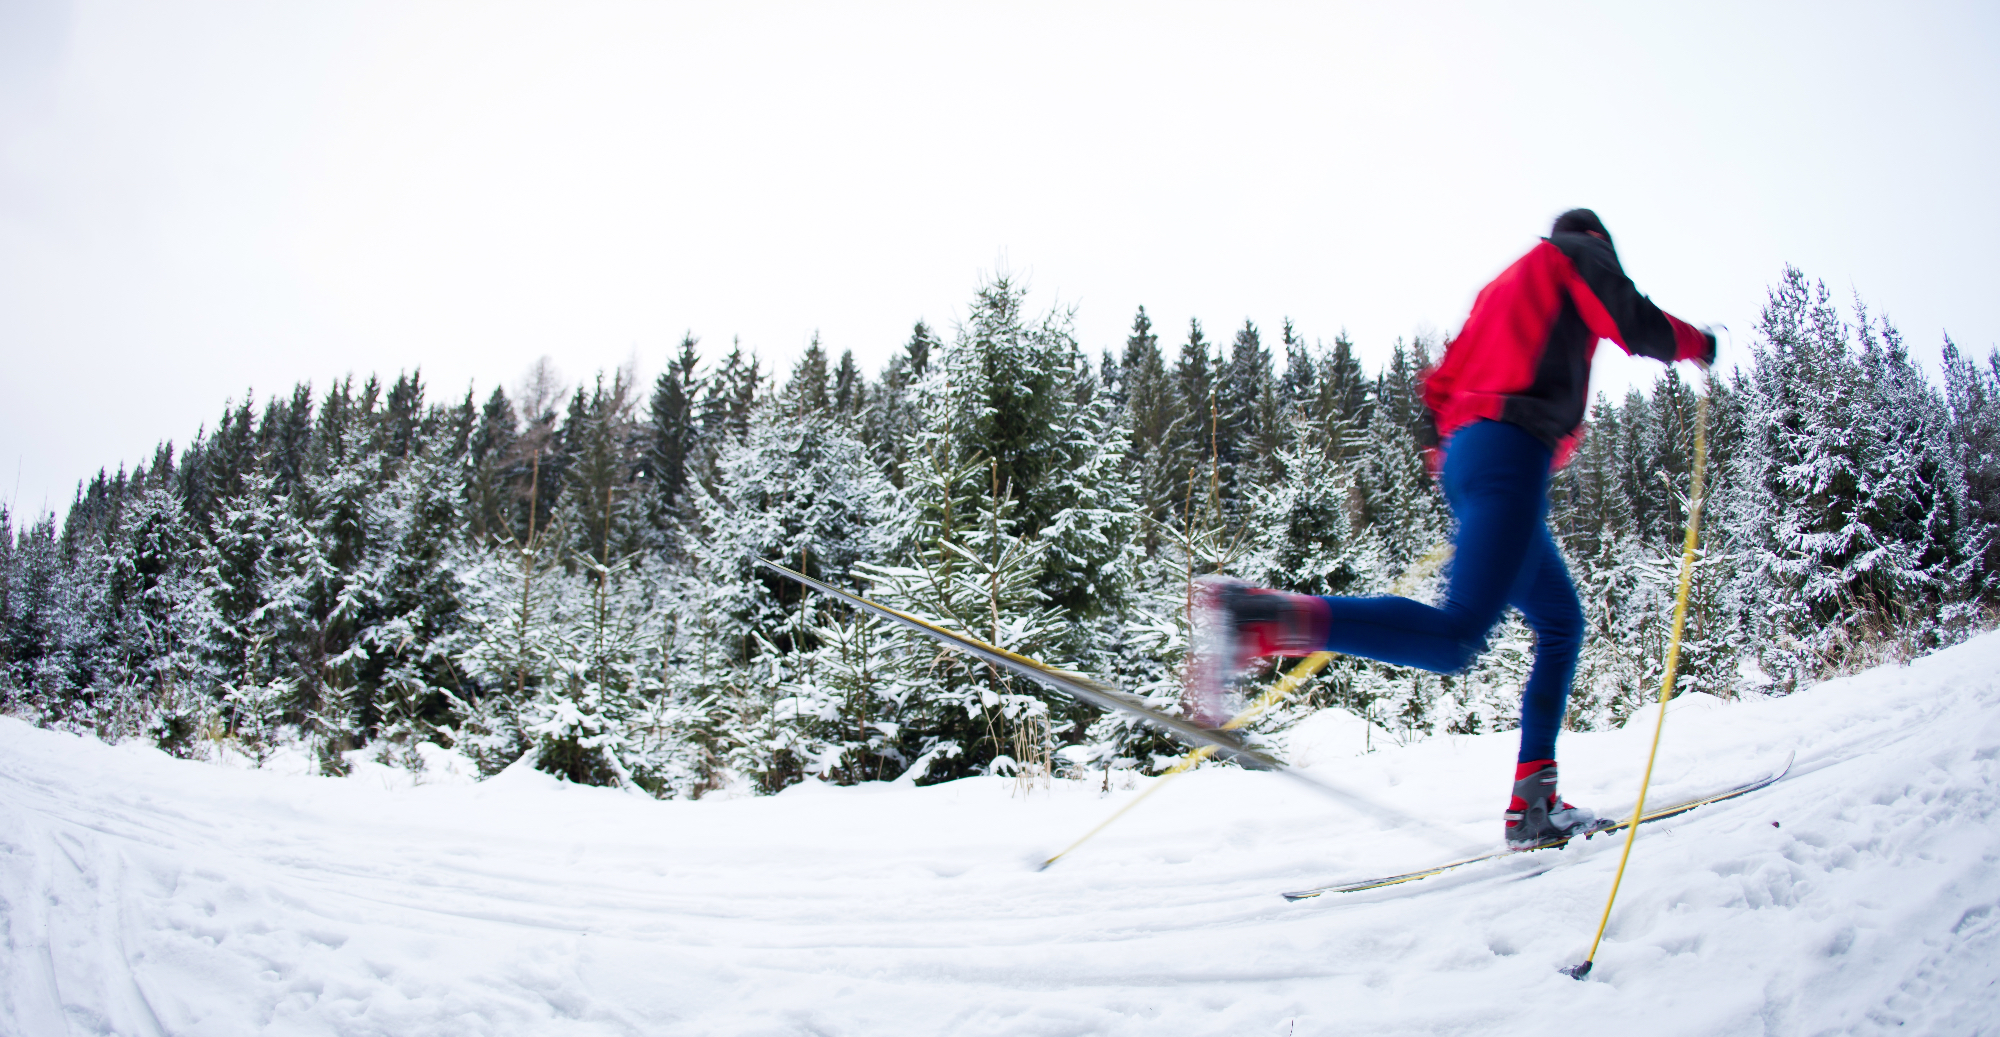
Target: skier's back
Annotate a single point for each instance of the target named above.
(1508, 400)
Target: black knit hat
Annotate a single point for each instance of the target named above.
(1579, 221)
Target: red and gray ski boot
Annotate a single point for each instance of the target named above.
(1236, 623)
(1537, 816)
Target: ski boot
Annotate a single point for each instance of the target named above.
(1537, 816)
(1236, 623)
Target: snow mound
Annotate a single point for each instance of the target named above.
(1646, 716)
(1331, 734)
(145, 895)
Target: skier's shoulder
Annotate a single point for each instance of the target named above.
(1584, 251)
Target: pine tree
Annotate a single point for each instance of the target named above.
(801, 491)
(416, 601)
(1297, 387)
(1246, 429)
(402, 412)
(729, 395)
(1915, 496)
(244, 657)
(1193, 441)
(1972, 395)
(603, 450)
(159, 618)
(808, 392)
(1315, 541)
(1152, 464)
(1014, 390)
(285, 438)
(1400, 498)
(512, 645)
(1811, 471)
(672, 437)
(490, 485)
(59, 643)
(1342, 400)
(965, 569)
(850, 391)
(891, 415)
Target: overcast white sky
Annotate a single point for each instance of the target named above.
(199, 199)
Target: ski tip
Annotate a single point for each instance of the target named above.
(1577, 971)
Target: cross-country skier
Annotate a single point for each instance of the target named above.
(1508, 400)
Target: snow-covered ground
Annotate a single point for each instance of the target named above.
(144, 895)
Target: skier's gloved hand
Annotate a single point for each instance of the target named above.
(1707, 358)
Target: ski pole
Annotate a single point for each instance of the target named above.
(1666, 684)
(1278, 692)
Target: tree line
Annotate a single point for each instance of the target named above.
(565, 575)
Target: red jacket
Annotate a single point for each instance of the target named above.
(1524, 354)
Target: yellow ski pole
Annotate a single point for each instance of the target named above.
(1667, 683)
(1278, 692)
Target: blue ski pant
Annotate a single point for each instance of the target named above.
(1496, 480)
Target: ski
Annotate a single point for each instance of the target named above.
(1095, 692)
(1603, 825)
(1225, 743)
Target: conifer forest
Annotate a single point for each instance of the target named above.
(564, 575)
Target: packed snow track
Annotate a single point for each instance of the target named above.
(145, 895)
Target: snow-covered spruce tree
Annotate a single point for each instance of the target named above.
(848, 393)
(681, 731)
(416, 601)
(596, 717)
(1916, 498)
(1190, 442)
(53, 639)
(1311, 540)
(962, 569)
(493, 461)
(1811, 558)
(672, 437)
(1734, 498)
(1014, 397)
(1662, 476)
(798, 488)
(284, 439)
(9, 559)
(729, 395)
(1020, 395)
(1246, 429)
(1309, 514)
(578, 720)
(512, 642)
(334, 508)
(256, 682)
(158, 615)
(1402, 500)
(1341, 400)
(1154, 469)
(838, 715)
(1972, 393)
(1591, 518)
(1300, 381)
(891, 418)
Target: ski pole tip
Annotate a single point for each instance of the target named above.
(1578, 971)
